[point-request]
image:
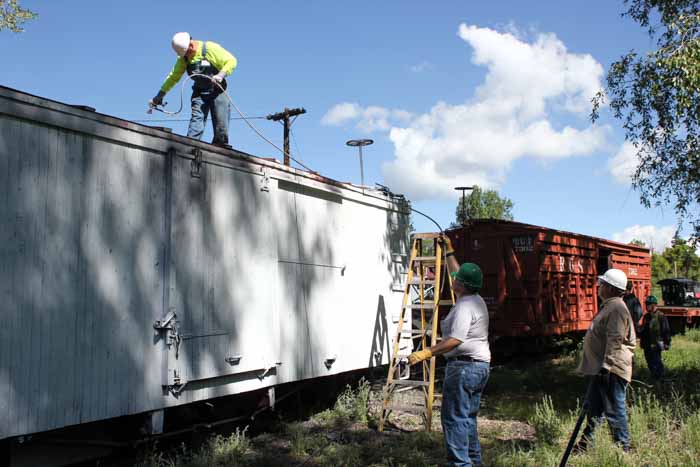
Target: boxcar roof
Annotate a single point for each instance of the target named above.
(514, 226)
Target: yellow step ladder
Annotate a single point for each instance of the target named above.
(417, 297)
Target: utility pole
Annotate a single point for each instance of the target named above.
(284, 116)
(464, 189)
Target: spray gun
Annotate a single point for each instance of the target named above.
(152, 107)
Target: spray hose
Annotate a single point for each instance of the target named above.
(252, 127)
(245, 119)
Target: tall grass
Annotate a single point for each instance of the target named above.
(664, 424)
(693, 335)
(217, 451)
(664, 420)
(546, 422)
(351, 406)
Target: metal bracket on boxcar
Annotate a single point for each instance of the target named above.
(404, 369)
(265, 182)
(329, 361)
(234, 359)
(168, 326)
(196, 163)
(177, 387)
(272, 366)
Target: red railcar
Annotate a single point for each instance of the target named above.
(543, 282)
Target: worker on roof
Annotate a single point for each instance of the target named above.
(208, 91)
(608, 348)
(655, 337)
(465, 345)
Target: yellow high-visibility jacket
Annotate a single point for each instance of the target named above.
(221, 58)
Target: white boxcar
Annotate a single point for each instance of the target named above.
(140, 270)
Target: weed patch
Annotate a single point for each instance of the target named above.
(529, 409)
(693, 335)
(546, 421)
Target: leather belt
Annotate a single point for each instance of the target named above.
(465, 358)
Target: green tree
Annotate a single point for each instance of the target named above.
(638, 242)
(483, 204)
(678, 260)
(682, 259)
(660, 269)
(12, 16)
(656, 95)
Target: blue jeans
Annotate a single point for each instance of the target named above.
(461, 396)
(218, 105)
(606, 398)
(654, 362)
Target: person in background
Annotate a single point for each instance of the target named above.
(655, 336)
(465, 345)
(608, 348)
(633, 305)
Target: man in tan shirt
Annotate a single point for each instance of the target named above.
(607, 360)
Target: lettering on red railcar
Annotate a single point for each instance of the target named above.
(523, 244)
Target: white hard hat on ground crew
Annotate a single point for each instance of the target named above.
(615, 278)
(181, 41)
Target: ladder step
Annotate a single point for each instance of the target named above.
(424, 282)
(425, 258)
(428, 304)
(414, 335)
(407, 408)
(410, 382)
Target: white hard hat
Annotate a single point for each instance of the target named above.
(615, 277)
(181, 42)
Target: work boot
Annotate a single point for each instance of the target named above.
(223, 145)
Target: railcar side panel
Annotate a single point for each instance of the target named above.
(141, 270)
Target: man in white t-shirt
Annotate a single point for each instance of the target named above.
(465, 345)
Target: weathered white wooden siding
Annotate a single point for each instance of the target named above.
(104, 230)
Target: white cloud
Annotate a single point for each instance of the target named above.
(509, 117)
(341, 113)
(658, 238)
(369, 119)
(624, 163)
(422, 66)
(528, 75)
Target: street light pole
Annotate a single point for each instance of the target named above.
(464, 189)
(359, 143)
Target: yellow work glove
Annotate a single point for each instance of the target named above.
(419, 356)
(447, 243)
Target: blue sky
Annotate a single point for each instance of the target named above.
(452, 92)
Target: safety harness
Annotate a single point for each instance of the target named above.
(203, 67)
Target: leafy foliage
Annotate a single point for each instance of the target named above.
(546, 421)
(679, 260)
(12, 16)
(656, 95)
(483, 204)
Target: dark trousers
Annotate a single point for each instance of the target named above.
(606, 399)
(215, 103)
(654, 362)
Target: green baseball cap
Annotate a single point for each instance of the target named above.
(470, 275)
(651, 300)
